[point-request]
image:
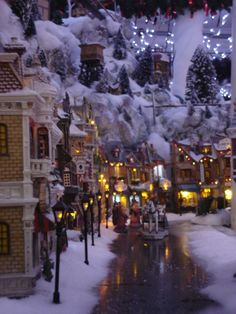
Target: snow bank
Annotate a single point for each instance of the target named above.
(77, 280)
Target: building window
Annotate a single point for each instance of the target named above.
(4, 239)
(3, 140)
(205, 150)
(43, 145)
(186, 173)
(181, 158)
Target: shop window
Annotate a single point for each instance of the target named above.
(4, 239)
(3, 140)
(135, 175)
(43, 145)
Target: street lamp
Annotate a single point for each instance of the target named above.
(107, 194)
(70, 217)
(91, 201)
(59, 211)
(99, 200)
(85, 206)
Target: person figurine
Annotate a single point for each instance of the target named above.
(135, 214)
(152, 214)
(121, 219)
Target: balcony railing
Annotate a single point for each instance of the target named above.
(40, 168)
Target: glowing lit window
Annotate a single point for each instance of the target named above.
(4, 239)
(3, 139)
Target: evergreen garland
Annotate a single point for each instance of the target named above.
(170, 8)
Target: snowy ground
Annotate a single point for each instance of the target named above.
(210, 243)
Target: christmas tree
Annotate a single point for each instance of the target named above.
(119, 52)
(201, 83)
(143, 72)
(124, 81)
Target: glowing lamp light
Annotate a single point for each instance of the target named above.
(228, 195)
(91, 199)
(99, 196)
(59, 211)
(85, 203)
(107, 194)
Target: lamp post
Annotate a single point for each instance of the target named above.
(70, 217)
(91, 201)
(59, 211)
(99, 200)
(85, 206)
(107, 194)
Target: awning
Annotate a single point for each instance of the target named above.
(189, 187)
(42, 222)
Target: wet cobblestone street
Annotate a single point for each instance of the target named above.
(153, 277)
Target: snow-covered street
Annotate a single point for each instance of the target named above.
(212, 246)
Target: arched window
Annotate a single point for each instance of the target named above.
(3, 139)
(43, 145)
(4, 239)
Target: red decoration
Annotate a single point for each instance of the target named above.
(206, 7)
(168, 12)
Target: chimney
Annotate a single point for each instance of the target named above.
(15, 47)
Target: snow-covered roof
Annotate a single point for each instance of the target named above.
(61, 113)
(75, 131)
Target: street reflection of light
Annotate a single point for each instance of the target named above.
(135, 270)
(162, 268)
(184, 242)
(167, 252)
(103, 290)
(118, 279)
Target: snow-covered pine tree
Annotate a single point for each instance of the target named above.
(57, 63)
(119, 51)
(201, 83)
(103, 86)
(124, 81)
(23, 9)
(35, 11)
(42, 58)
(143, 72)
(90, 72)
(208, 113)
